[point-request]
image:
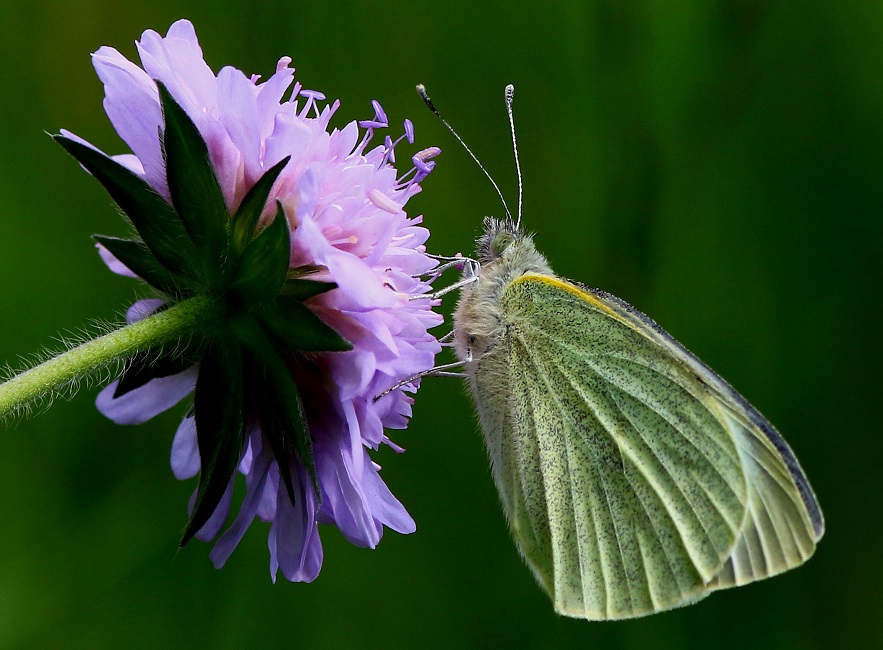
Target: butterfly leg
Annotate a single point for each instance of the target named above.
(448, 289)
(438, 371)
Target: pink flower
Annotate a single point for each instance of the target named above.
(344, 202)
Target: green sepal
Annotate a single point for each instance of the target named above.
(305, 289)
(297, 328)
(263, 265)
(194, 188)
(138, 259)
(261, 403)
(245, 221)
(277, 402)
(152, 364)
(154, 219)
(219, 406)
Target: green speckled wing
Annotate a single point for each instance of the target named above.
(635, 479)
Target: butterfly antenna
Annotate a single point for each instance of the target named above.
(421, 90)
(510, 95)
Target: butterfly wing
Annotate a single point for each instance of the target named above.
(634, 479)
(783, 519)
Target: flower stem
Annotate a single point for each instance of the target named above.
(180, 321)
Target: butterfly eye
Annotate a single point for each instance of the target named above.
(502, 241)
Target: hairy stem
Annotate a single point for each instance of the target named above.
(183, 320)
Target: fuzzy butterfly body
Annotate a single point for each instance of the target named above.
(633, 478)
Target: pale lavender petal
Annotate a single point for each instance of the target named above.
(113, 263)
(266, 509)
(76, 138)
(185, 451)
(240, 118)
(345, 501)
(213, 526)
(184, 30)
(132, 104)
(381, 328)
(307, 194)
(354, 456)
(353, 370)
(177, 61)
(290, 137)
(141, 404)
(270, 95)
(255, 483)
(385, 507)
(343, 142)
(248, 455)
(295, 548)
(142, 309)
(370, 424)
(130, 162)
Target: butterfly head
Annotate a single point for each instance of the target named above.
(499, 236)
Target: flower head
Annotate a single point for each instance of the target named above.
(300, 231)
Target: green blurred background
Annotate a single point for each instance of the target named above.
(717, 164)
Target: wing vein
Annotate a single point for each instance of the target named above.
(575, 385)
(602, 479)
(674, 424)
(777, 479)
(665, 465)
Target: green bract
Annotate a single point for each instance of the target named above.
(195, 247)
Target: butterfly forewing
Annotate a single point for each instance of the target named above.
(632, 482)
(783, 519)
(762, 449)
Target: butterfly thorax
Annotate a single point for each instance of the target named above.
(505, 253)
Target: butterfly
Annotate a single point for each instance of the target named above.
(633, 478)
